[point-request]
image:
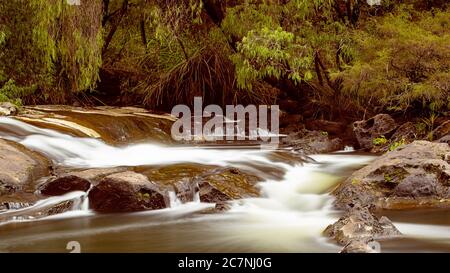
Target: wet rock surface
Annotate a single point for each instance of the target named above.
(81, 180)
(20, 168)
(114, 125)
(62, 185)
(358, 229)
(127, 192)
(414, 175)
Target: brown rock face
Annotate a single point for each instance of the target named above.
(126, 192)
(209, 194)
(76, 180)
(210, 183)
(442, 131)
(20, 168)
(313, 142)
(414, 175)
(65, 184)
(358, 227)
(367, 130)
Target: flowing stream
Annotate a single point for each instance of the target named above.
(293, 210)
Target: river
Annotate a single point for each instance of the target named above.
(294, 207)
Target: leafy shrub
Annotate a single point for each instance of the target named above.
(403, 62)
(379, 141)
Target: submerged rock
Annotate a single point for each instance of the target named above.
(20, 168)
(414, 175)
(358, 228)
(368, 130)
(127, 192)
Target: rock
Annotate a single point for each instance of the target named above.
(65, 184)
(114, 125)
(127, 192)
(415, 175)
(210, 194)
(333, 128)
(367, 130)
(30, 212)
(444, 139)
(227, 184)
(20, 168)
(313, 142)
(362, 246)
(358, 227)
(208, 183)
(56, 209)
(422, 185)
(407, 132)
(7, 109)
(442, 131)
(186, 190)
(76, 180)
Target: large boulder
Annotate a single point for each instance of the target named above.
(313, 142)
(358, 228)
(127, 192)
(76, 180)
(367, 131)
(20, 168)
(414, 175)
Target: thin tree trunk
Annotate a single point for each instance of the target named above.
(143, 34)
(115, 25)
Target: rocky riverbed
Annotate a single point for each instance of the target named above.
(56, 160)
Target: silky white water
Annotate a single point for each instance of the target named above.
(290, 215)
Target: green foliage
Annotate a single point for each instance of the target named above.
(429, 125)
(397, 144)
(379, 141)
(403, 62)
(10, 92)
(271, 54)
(50, 46)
